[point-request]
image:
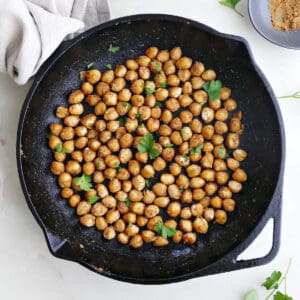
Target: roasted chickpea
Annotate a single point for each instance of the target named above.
(100, 108)
(239, 154)
(57, 168)
(64, 180)
(148, 197)
(119, 225)
(198, 194)
(174, 209)
(195, 109)
(185, 225)
(209, 75)
(101, 223)
(109, 201)
(230, 105)
(136, 241)
(61, 112)
(66, 193)
(126, 186)
(239, 175)
(148, 171)
(209, 214)
(221, 177)
(159, 189)
(58, 156)
(228, 205)
(71, 120)
(174, 191)
(216, 202)
(162, 201)
(148, 236)
(87, 88)
(220, 216)
(120, 71)
(210, 188)
(160, 242)
(200, 96)
(208, 131)
(73, 167)
(175, 169)
(169, 67)
(87, 220)
(221, 114)
(207, 114)
(99, 209)
(177, 237)
(184, 63)
(200, 225)
(83, 208)
(109, 233)
(186, 213)
(224, 192)
(131, 229)
(159, 164)
(186, 196)
(76, 97)
(193, 170)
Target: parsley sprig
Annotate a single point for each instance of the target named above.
(147, 145)
(93, 199)
(113, 49)
(198, 149)
(61, 149)
(84, 182)
(294, 96)
(128, 202)
(231, 4)
(164, 231)
(213, 88)
(149, 89)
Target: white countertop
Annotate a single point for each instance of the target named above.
(27, 269)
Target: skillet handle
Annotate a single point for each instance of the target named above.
(274, 212)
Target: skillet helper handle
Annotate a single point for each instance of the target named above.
(274, 212)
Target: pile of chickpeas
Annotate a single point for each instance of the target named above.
(193, 179)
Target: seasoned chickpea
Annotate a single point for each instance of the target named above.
(172, 104)
(230, 105)
(120, 71)
(135, 195)
(141, 157)
(109, 201)
(83, 208)
(160, 242)
(76, 97)
(185, 225)
(209, 75)
(195, 109)
(132, 230)
(102, 190)
(71, 120)
(136, 241)
(239, 175)
(141, 221)
(112, 216)
(175, 169)
(148, 236)
(184, 63)
(186, 116)
(219, 165)
(87, 220)
(221, 114)
(138, 182)
(126, 140)
(224, 192)
(148, 197)
(100, 109)
(162, 201)
(177, 237)
(229, 205)
(153, 124)
(221, 177)
(197, 210)
(159, 189)
(101, 223)
(73, 167)
(200, 225)
(217, 139)
(167, 178)
(74, 200)
(126, 186)
(56, 129)
(220, 216)
(99, 209)
(198, 194)
(66, 193)
(64, 180)
(208, 131)
(159, 164)
(58, 156)
(216, 202)
(207, 114)
(239, 154)
(148, 171)
(209, 214)
(87, 88)
(193, 170)
(186, 213)
(174, 209)
(210, 188)
(221, 127)
(186, 196)
(169, 67)
(123, 238)
(208, 175)
(235, 186)
(109, 233)
(200, 96)
(57, 168)
(62, 112)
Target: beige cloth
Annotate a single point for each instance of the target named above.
(30, 30)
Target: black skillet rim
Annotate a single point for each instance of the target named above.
(224, 264)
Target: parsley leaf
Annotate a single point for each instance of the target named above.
(169, 145)
(84, 182)
(221, 151)
(157, 66)
(185, 158)
(127, 201)
(61, 149)
(272, 281)
(182, 131)
(139, 118)
(164, 231)
(93, 199)
(159, 104)
(198, 149)
(125, 104)
(113, 49)
(49, 135)
(252, 295)
(295, 96)
(149, 89)
(118, 167)
(231, 4)
(213, 88)
(108, 66)
(280, 296)
(148, 183)
(147, 145)
(89, 65)
(163, 85)
(122, 121)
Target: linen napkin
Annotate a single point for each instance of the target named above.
(30, 30)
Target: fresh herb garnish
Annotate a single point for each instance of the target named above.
(147, 145)
(122, 121)
(181, 190)
(231, 4)
(159, 104)
(149, 89)
(182, 131)
(98, 164)
(139, 118)
(118, 167)
(198, 149)
(84, 182)
(295, 96)
(108, 66)
(113, 49)
(272, 281)
(93, 199)
(157, 66)
(125, 104)
(61, 149)
(169, 145)
(49, 135)
(130, 224)
(89, 65)
(148, 183)
(164, 231)
(163, 85)
(127, 201)
(213, 88)
(185, 158)
(221, 151)
(252, 295)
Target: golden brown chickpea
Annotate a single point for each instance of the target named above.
(61, 112)
(175, 53)
(235, 125)
(216, 202)
(195, 109)
(98, 209)
(177, 237)
(101, 223)
(219, 165)
(169, 67)
(109, 233)
(150, 100)
(83, 208)
(197, 82)
(121, 196)
(186, 213)
(172, 104)
(239, 154)
(112, 216)
(131, 64)
(118, 84)
(174, 191)
(135, 195)
(200, 96)
(119, 225)
(57, 167)
(228, 205)
(131, 75)
(126, 140)
(176, 138)
(197, 182)
(66, 193)
(185, 225)
(124, 95)
(151, 211)
(230, 105)
(56, 128)
(109, 201)
(200, 225)
(134, 167)
(141, 221)
(148, 171)
(111, 114)
(148, 236)
(185, 100)
(235, 186)
(184, 148)
(164, 130)
(225, 93)
(224, 192)
(207, 114)
(93, 76)
(156, 113)
(173, 80)
(148, 197)
(159, 189)
(209, 75)
(153, 221)
(208, 131)
(163, 56)
(159, 164)
(87, 220)
(214, 104)
(193, 170)
(176, 124)
(239, 175)
(137, 86)
(145, 112)
(131, 229)
(81, 131)
(88, 168)
(221, 114)
(69, 146)
(221, 127)
(114, 185)
(209, 214)
(141, 157)
(210, 188)
(112, 161)
(91, 192)
(182, 181)
(74, 200)
(136, 241)
(120, 71)
(207, 160)
(73, 167)
(220, 217)
(108, 76)
(103, 151)
(143, 60)
(64, 180)
(58, 156)
(186, 196)
(208, 175)
(221, 177)
(217, 139)
(81, 142)
(152, 124)
(162, 201)
(101, 190)
(100, 108)
(71, 121)
(76, 97)
(98, 177)
(88, 154)
(123, 238)
(122, 207)
(102, 88)
(174, 209)
(175, 169)
(184, 63)
(205, 201)
(167, 178)
(87, 88)
(160, 242)
(198, 194)
(232, 141)
(197, 68)
(138, 182)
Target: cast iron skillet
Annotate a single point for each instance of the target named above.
(263, 138)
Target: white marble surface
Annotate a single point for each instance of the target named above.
(28, 271)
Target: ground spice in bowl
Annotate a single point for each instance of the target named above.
(285, 14)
